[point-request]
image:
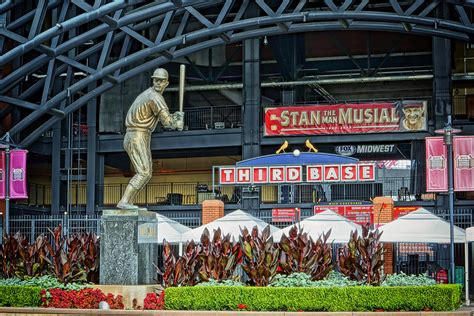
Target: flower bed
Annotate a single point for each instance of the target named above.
(333, 299)
(86, 299)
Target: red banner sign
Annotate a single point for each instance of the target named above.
(18, 174)
(463, 147)
(405, 116)
(436, 165)
(360, 214)
(285, 215)
(2, 175)
(399, 211)
(294, 174)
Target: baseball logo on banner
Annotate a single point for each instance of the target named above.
(463, 148)
(17, 177)
(18, 174)
(436, 165)
(2, 175)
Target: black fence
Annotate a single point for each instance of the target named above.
(193, 193)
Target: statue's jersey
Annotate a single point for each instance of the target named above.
(147, 110)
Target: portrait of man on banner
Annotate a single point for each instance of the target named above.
(413, 116)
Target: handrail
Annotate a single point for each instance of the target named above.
(193, 193)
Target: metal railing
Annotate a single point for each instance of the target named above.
(31, 226)
(178, 193)
(463, 109)
(213, 117)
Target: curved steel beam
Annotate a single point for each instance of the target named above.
(394, 17)
(452, 31)
(275, 30)
(7, 82)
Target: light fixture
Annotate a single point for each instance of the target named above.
(448, 133)
(265, 40)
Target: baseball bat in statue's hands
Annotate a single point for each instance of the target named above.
(182, 71)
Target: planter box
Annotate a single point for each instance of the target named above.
(129, 292)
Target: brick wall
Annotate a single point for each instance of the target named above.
(212, 210)
(383, 213)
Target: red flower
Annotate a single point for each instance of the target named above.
(154, 302)
(242, 306)
(85, 298)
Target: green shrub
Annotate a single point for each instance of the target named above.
(402, 279)
(20, 296)
(213, 282)
(333, 299)
(300, 279)
(45, 282)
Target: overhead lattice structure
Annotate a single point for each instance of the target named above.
(108, 42)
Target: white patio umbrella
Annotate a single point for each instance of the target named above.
(420, 226)
(320, 223)
(229, 224)
(170, 229)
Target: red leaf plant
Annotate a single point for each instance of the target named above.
(154, 302)
(84, 299)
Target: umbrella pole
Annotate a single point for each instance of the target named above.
(180, 249)
(466, 272)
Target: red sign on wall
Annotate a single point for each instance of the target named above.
(402, 116)
(360, 214)
(285, 215)
(463, 147)
(399, 211)
(436, 165)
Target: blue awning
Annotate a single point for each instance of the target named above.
(302, 159)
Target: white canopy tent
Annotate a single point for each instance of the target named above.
(229, 224)
(320, 223)
(422, 226)
(170, 229)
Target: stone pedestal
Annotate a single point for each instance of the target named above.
(128, 247)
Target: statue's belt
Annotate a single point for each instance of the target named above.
(138, 129)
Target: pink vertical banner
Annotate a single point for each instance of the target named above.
(463, 148)
(18, 174)
(2, 174)
(436, 165)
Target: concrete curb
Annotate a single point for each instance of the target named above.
(59, 311)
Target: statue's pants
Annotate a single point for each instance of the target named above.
(137, 145)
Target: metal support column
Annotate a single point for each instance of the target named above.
(91, 156)
(452, 268)
(442, 76)
(251, 109)
(99, 198)
(56, 170)
(7, 188)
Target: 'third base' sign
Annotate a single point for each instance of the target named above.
(294, 174)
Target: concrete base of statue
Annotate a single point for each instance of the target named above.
(128, 247)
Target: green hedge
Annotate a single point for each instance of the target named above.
(333, 299)
(20, 296)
